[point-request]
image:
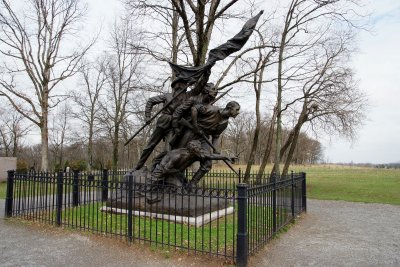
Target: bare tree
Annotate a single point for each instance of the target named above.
(317, 80)
(262, 62)
(13, 127)
(122, 80)
(308, 150)
(33, 44)
(306, 23)
(87, 100)
(237, 135)
(60, 129)
(331, 100)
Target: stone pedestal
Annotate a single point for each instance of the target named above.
(169, 203)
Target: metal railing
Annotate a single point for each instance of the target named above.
(244, 216)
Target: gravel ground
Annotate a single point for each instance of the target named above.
(33, 244)
(332, 233)
(338, 233)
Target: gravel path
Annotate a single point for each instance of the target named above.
(33, 244)
(332, 233)
(338, 233)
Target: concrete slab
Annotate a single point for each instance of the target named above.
(195, 221)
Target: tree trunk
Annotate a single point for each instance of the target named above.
(252, 156)
(15, 144)
(251, 159)
(115, 148)
(90, 148)
(294, 137)
(278, 135)
(291, 151)
(45, 143)
(282, 46)
(267, 149)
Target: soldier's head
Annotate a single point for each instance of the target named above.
(194, 146)
(179, 84)
(211, 91)
(232, 109)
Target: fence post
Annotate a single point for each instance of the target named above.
(304, 191)
(241, 245)
(9, 194)
(240, 175)
(274, 214)
(75, 189)
(130, 206)
(59, 196)
(104, 186)
(292, 199)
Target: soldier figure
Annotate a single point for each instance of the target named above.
(163, 125)
(176, 161)
(207, 121)
(208, 94)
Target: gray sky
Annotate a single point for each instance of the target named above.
(377, 68)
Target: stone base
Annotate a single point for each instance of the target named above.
(168, 197)
(195, 221)
(179, 205)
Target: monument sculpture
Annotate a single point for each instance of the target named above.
(190, 124)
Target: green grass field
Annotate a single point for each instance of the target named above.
(355, 184)
(334, 182)
(3, 188)
(349, 183)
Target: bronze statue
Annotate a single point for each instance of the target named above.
(175, 100)
(190, 125)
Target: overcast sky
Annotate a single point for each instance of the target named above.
(377, 67)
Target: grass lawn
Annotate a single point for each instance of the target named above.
(349, 183)
(353, 184)
(3, 188)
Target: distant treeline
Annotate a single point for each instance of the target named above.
(372, 165)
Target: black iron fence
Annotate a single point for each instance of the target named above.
(220, 217)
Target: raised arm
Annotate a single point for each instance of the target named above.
(151, 102)
(216, 157)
